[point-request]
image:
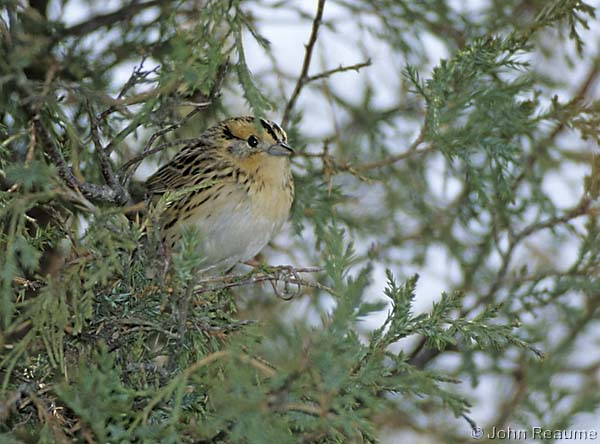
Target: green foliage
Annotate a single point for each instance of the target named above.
(98, 397)
(107, 337)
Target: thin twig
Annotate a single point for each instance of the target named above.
(334, 165)
(76, 197)
(306, 64)
(50, 416)
(111, 18)
(580, 209)
(144, 324)
(268, 371)
(310, 409)
(412, 151)
(105, 166)
(421, 356)
(135, 367)
(137, 75)
(578, 97)
(113, 193)
(341, 68)
(182, 313)
(99, 192)
(30, 285)
(508, 406)
(50, 74)
(159, 148)
(129, 168)
(286, 274)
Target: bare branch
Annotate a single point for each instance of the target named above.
(105, 166)
(332, 165)
(98, 192)
(306, 64)
(411, 151)
(421, 356)
(286, 274)
(159, 148)
(246, 359)
(580, 209)
(578, 97)
(99, 21)
(136, 77)
(342, 68)
(129, 168)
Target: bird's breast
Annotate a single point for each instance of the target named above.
(244, 216)
(271, 188)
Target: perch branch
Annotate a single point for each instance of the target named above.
(286, 274)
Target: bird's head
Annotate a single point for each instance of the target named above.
(245, 137)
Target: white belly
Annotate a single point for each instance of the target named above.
(234, 230)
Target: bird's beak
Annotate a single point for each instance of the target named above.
(281, 149)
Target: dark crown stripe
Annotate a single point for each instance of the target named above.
(267, 125)
(227, 134)
(280, 132)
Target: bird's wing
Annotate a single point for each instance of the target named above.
(190, 168)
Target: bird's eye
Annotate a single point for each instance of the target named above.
(252, 141)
